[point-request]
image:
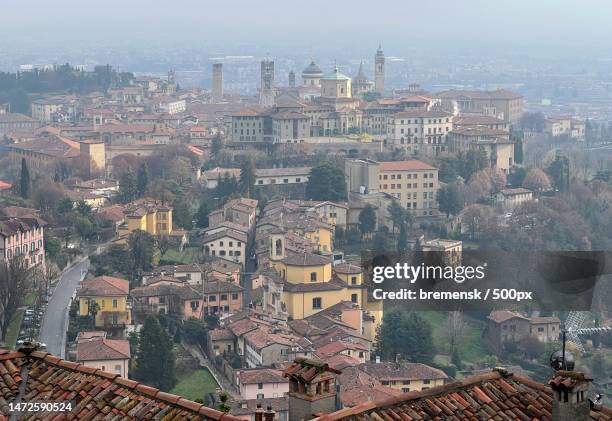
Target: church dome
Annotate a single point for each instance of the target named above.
(312, 70)
(336, 75)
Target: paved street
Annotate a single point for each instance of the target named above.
(55, 323)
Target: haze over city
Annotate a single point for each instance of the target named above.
(306, 211)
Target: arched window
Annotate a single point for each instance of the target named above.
(279, 247)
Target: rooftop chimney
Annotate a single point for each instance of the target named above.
(269, 414)
(259, 413)
(570, 396)
(312, 388)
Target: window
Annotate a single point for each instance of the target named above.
(426, 381)
(117, 368)
(260, 396)
(353, 280)
(114, 303)
(260, 385)
(212, 298)
(354, 298)
(223, 297)
(406, 382)
(234, 296)
(313, 276)
(540, 329)
(317, 302)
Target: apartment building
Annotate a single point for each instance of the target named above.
(290, 127)
(110, 355)
(11, 122)
(262, 383)
(420, 130)
(150, 216)
(110, 295)
(414, 183)
(227, 244)
(23, 236)
(499, 103)
(271, 176)
(405, 376)
(495, 142)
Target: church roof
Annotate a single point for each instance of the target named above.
(336, 75)
(312, 70)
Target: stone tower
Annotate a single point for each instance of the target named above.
(570, 396)
(292, 79)
(217, 82)
(312, 388)
(266, 93)
(277, 244)
(379, 71)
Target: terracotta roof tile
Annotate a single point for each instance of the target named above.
(98, 395)
(494, 395)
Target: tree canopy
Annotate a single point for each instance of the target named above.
(326, 182)
(405, 334)
(155, 362)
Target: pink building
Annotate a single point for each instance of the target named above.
(23, 236)
(262, 383)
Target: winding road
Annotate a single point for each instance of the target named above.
(55, 322)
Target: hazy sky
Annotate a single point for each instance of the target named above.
(309, 23)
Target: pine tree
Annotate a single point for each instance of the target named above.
(201, 216)
(247, 177)
(128, 189)
(142, 179)
(367, 220)
(402, 239)
(155, 357)
(405, 334)
(24, 182)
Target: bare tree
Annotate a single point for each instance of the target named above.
(15, 281)
(456, 327)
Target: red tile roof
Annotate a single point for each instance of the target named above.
(96, 394)
(5, 186)
(103, 349)
(411, 165)
(500, 316)
(104, 286)
(261, 375)
(493, 395)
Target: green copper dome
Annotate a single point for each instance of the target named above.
(336, 75)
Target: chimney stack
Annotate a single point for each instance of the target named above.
(259, 413)
(570, 396)
(269, 414)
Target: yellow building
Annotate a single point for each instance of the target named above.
(413, 183)
(405, 376)
(146, 215)
(111, 298)
(309, 282)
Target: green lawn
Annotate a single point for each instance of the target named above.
(188, 255)
(12, 332)
(30, 298)
(195, 385)
(471, 350)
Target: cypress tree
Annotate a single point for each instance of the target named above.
(24, 181)
(155, 357)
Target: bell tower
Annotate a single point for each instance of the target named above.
(277, 245)
(379, 71)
